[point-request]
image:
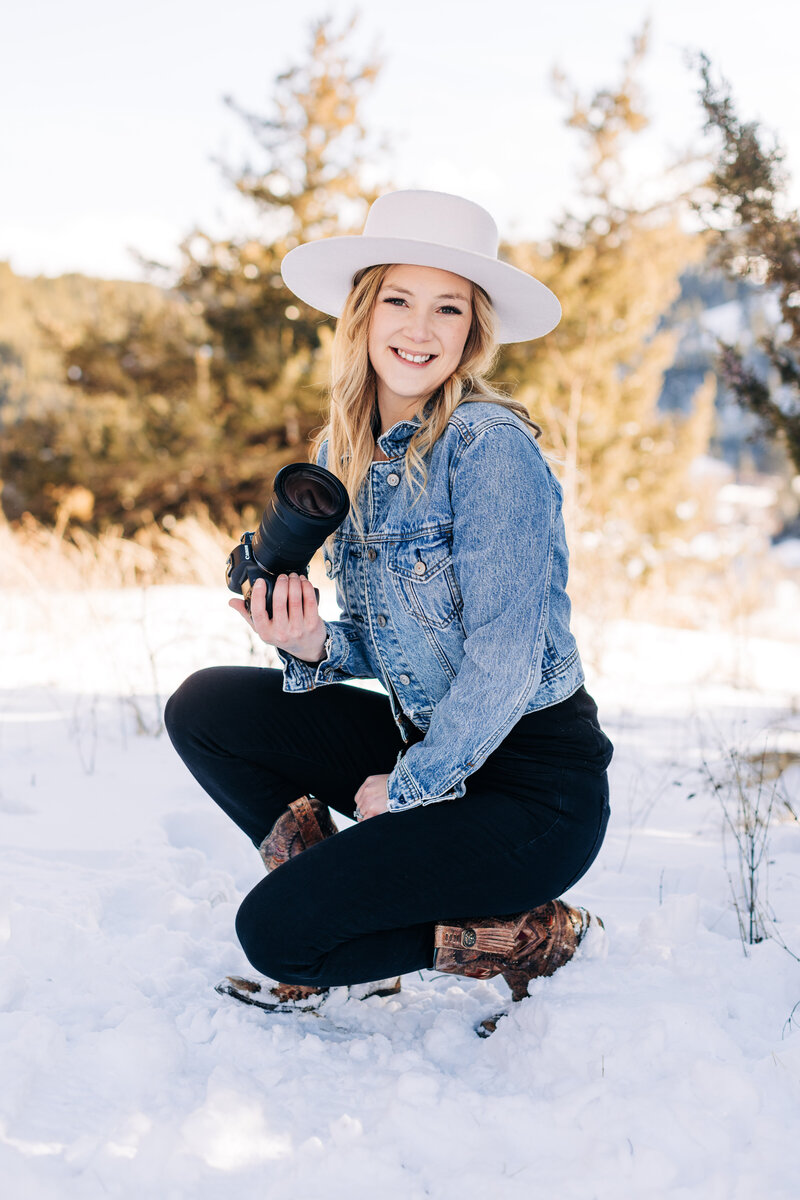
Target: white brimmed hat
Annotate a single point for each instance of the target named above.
(426, 229)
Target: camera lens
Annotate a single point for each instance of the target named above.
(307, 503)
(311, 496)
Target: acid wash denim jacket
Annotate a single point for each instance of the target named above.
(457, 605)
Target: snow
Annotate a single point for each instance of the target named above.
(669, 1068)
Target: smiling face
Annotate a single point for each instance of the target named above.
(418, 328)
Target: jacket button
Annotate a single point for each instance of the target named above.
(381, 620)
(404, 679)
(392, 479)
(372, 553)
(420, 567)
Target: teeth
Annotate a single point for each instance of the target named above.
(415, 358)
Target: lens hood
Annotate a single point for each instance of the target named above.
(306, 505)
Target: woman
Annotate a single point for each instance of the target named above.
(450, 573)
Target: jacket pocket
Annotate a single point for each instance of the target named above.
(424, 580)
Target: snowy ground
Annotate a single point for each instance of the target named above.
(670, 1068)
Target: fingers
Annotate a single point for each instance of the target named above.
(360, 801)
(258, 611)
(372, 798)
(293, 606)
(299, 589)
(294, 609)
(293, 594)
(238, 606)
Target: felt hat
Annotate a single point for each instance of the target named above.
(428, 229)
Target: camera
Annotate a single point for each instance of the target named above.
(306, 505)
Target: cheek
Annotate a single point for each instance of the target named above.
(381, 326)
(456, 344)
(372, 340)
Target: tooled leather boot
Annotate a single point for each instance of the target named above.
(297, 997)
(520, 948)
(305, 822)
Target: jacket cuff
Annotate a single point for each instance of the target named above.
(300, 676)
(404, 791)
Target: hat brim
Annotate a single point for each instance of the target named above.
(321, 274)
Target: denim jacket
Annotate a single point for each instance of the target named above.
(457, 605)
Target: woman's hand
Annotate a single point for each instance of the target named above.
(372, 797)
(296, 625)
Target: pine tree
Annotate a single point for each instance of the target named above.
(87, 407)
(758, 238)
(594, 383)
(203, 396)
(307, 184)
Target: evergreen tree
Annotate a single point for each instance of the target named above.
(63, 428)
(306, 184)
(757, 237)
(202, 396)
(594, 383)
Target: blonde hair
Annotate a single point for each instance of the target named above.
(353, 393)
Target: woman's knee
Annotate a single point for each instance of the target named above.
(272, 937)
(181, 710)
(198, 699)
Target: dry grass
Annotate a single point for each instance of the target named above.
(193, 551)
(740, 593)
(745, 590)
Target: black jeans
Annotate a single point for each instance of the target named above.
(362, 905)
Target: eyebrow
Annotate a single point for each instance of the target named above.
(442, 295)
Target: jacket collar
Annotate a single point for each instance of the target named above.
(396, 439)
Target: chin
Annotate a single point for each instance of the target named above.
(408, 390)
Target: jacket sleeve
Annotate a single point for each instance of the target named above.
(505, 505)
(344, 659)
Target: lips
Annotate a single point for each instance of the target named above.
(412, 360)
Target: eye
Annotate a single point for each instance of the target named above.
(393, 300)
(451, 308)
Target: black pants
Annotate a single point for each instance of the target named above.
(362, 905)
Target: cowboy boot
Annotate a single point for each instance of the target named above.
(305, 822)
(548, 939)
(281, 997)
(297, 997)
(520, 948)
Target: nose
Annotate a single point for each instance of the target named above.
(418, 325)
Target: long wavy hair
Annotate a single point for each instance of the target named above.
(354, 419)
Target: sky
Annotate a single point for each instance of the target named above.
(113, 122)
